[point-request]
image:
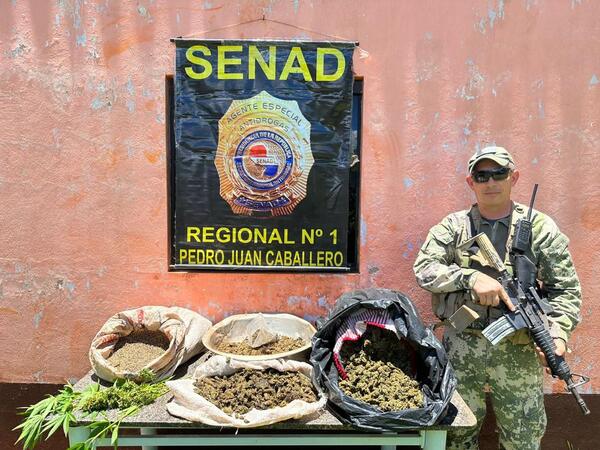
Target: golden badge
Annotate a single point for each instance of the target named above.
(263, 157)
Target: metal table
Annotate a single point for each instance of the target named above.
(153, 427)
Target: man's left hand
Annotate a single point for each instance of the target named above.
(561, 348)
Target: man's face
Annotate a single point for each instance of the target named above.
(492, 193)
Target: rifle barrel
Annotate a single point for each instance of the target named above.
(584, 409)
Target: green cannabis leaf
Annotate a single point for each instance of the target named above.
(47, 416)
(58, 411)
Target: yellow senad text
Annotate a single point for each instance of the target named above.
(230, 67)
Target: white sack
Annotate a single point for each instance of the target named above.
(183, 327)
(189, 405)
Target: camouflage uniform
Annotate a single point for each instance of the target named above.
(510, 369)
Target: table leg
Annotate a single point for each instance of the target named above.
(78, 435)
(434, 439)
(148, 432)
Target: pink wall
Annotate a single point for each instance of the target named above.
(82, 134)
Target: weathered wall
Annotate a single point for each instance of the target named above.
(83, 172)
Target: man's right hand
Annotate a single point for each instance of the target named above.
(489, 292)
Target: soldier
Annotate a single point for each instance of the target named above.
(510, 371)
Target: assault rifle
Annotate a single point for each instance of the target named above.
(531, 309)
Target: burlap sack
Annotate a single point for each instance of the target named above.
(183, 327)
(187, 404)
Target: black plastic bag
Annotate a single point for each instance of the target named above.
(434, 372)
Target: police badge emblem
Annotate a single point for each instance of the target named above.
(263, 157)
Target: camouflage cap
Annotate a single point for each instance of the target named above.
(496, 154)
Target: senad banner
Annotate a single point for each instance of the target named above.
(262, 155)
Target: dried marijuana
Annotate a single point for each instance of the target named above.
(281, 345)
(378, 367)
(248, 389)
(135, 351)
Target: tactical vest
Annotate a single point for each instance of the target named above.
(447, 303)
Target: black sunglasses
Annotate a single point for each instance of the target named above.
(483, 176)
